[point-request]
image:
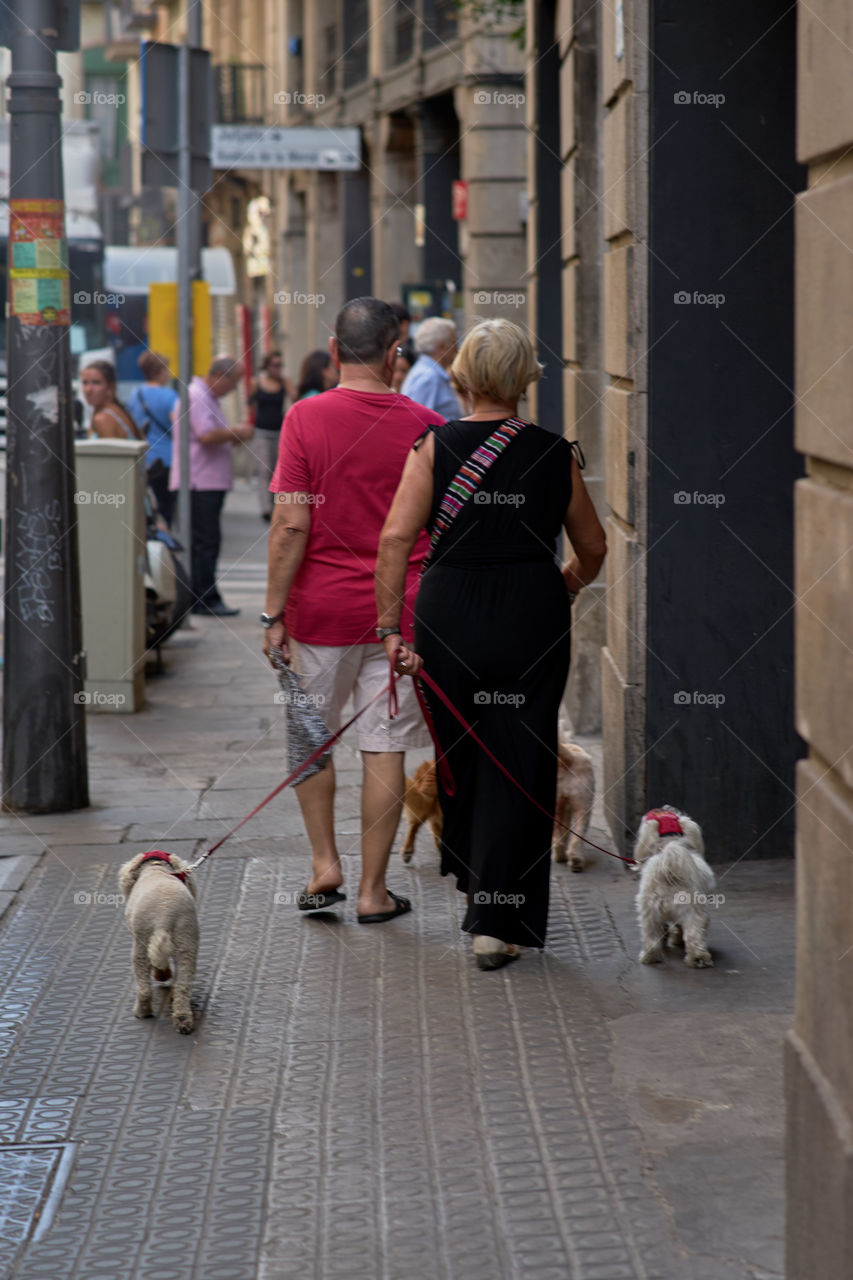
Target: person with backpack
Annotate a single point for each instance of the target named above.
(151, 406)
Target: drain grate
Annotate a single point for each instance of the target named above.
(31, 1182)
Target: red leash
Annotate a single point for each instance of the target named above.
(444, 768)
(440, 759)
(393, 707)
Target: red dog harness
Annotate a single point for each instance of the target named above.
(157, 855)
(668, 824)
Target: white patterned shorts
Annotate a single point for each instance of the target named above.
(332, 673)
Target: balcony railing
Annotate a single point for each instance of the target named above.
(240, 93)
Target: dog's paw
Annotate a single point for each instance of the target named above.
(183, 1022)
(142, 1009)
(699, 960)
(652, 955)
(577, 864)
(407, 854)
(560, 855)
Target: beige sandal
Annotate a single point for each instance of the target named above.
(492, 953)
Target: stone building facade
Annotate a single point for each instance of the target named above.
(707, 201)
(437, 99)
(820, 1045)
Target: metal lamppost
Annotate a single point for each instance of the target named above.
(44, 733)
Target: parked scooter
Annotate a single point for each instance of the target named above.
(168, 593)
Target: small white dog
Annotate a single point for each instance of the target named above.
(575, 798)
(676, 884)
(161, 915)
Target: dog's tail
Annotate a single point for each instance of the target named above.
(159, 949)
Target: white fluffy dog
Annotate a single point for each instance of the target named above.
(575, 798)
(676, 884)
(161, 915)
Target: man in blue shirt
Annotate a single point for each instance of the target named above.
(428, 381)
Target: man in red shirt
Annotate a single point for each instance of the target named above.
(340, 459)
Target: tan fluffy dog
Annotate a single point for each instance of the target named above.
(161, 915)
(575, 797)
(422, 805)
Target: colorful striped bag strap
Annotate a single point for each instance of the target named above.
(469, 477)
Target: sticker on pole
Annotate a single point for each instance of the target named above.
(39, 266)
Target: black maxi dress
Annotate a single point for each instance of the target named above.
(492, 621)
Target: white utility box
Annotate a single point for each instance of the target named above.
(110, 510)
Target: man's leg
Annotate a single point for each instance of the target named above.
(382, 793)
(206, 506)
(316, 796)
(327, 674)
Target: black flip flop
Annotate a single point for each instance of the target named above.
(401, 907)
(319, 901)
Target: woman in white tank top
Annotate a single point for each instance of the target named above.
(110, 420)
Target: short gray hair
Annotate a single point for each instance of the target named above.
(434, 333)
(225, 367)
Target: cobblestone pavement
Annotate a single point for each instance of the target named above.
(363, 1102)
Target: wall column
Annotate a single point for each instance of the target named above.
(819, 1057)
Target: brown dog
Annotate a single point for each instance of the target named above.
(575, 796)
(422, 805)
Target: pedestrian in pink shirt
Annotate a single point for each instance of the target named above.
(211, 476)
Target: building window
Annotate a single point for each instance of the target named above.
(239, 93)
(104, 97)
(355, 42)
(439, 22)
(403, 46)
(329, 59)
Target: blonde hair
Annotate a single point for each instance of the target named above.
(495, 360)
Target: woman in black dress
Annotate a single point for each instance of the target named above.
(492, 629)
(267, 396)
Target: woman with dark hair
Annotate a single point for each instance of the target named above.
(110, 419)
(151, 405)
(266, 396)
(317, 374)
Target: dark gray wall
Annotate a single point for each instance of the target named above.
(720, 571)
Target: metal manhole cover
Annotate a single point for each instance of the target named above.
(31, 1182)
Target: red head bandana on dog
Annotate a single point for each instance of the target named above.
(668, 824)
(157, 855)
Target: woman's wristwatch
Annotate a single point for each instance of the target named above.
(382, 632)
(267, 620)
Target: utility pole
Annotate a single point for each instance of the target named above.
(44, 731)
(189, 261)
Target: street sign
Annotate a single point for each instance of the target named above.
(246, 146)
(160, 115)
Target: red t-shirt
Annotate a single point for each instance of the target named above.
(347, 449)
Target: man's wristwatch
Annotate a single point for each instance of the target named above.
(268, 621)
(382, 632)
